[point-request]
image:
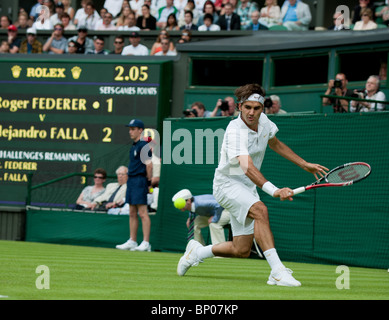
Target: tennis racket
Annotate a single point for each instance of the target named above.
(344, 175)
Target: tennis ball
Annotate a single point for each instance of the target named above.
(179, 203)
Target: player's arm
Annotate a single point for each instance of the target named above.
(247, 165)
(283, 150)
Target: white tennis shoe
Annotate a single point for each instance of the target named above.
(189, 259)
(283, 277)
(128, 245)
(144, 246)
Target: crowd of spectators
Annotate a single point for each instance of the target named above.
(164, 15)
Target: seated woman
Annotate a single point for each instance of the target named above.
(367, 22)
(157, 46)
(90, 193)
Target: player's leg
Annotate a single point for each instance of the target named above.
(262, 232)
(263, 235)
(239, 247)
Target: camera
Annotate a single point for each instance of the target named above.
(338, 83)
(360, 94)
(224, 106)
(268, 103)
(190, 113)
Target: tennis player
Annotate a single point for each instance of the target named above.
(234, 187)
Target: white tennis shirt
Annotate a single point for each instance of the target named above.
(241, 140)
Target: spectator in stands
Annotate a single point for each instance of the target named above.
(367, 22)
(121, 20)
(180, 4)
(130, 24)
(91, 19)
(59, 10)
(90, 193)
(358, 8)
(165, 49)
(276, 105)
(384, 14)
(254, 24)
(205, 211)
(31, 44)
(157, 44)
(296, 15)
(338, 87)
(164, 12)
(136, 6)
(102, 12)
(68, 8)
(270, 13)
(208, 24)
(98, 43)
(23, 23)
(136, 48)
(155, 6)
(57, 43)
(106, 24)
(43, 21)
(225, 108)
(51, 5)
(4, 46)
(72, 47)
(372, 92)
(80, 13)
(190, 6)
(146, 21)
(200, 108)
(34, 12)
(13, 40)
(338, 22)
(114, 192)
(67, 23)
(118, 45)
(5, 22)
(139, 178)
(171, 23)
(230, 20)
(244, 9)
(82, 39)
(188, 18)
(186, 36)
(209, 7)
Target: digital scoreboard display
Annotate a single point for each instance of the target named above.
(63, 115)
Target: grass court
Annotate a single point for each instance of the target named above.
(90, 273)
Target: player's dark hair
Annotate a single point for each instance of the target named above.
(242, 93)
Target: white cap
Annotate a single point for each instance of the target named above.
(31, 30)
(184, 194)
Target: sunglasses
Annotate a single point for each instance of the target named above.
(98, 177)
(58, 29)
(118, 42)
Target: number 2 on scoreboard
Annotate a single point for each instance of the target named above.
(108, 132)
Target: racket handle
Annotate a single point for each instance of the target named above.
(299, 190)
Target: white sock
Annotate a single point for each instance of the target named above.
(272, 259)
(204, 252)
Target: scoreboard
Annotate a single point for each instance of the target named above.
(60, 115)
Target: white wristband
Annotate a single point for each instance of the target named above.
(269, 188)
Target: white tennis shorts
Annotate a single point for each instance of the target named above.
(237, 198)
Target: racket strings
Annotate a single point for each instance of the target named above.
(348, 173)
